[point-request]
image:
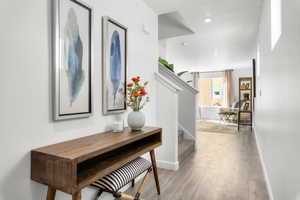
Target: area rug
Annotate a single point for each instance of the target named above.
(204, 127)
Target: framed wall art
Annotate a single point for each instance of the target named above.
(114, 66)
(254, 77)
(72, 31)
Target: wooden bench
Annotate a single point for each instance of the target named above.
(116, 180)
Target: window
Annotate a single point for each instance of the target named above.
(217, 91)
(276, 22)
(212, 91)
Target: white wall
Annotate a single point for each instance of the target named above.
(277, 109)
(25, 102)
(187, 111)
(162, 49)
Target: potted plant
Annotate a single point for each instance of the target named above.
(166, 64)
(136, 100)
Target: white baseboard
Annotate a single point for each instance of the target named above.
(261, 157)
(168, 165)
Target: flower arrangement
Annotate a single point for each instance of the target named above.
(137, 95)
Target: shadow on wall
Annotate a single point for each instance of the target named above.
(17, 185)
(17, 182)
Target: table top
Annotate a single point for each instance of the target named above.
(86, 147)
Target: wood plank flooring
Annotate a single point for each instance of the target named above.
(225, 167)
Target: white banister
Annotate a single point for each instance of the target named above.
(175, 79)
(187, 98)
(173, 87)
(167, 115)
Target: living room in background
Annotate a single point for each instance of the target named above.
(212, 91)
(212, 94)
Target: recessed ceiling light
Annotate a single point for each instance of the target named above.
(185, 44)
(207, 20)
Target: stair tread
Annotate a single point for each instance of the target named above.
(186, 141)
(180, 136)
(185, 145)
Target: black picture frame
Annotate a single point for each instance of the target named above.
(254, 77)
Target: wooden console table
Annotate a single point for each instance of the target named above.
(70, 166)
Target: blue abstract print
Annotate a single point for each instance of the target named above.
(115, 63)
(73, 48)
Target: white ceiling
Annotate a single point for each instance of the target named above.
(164, 6)
(229, 40)
(172, 25)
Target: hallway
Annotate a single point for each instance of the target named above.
(226, 167)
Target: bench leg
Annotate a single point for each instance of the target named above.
(141, 187)
(153, 160)
(51, 193)
(126, 197)
(98, 194)
(76, 196)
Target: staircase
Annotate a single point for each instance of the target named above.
(177, 116)
(186, 147)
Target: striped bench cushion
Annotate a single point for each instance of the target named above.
(121, 177)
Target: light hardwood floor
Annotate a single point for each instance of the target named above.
(225, 167)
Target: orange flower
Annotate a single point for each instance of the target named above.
(135, 94)
(143, 92)
(137, 79)
(129, 85)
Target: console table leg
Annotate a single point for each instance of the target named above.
(51, 193)
(153, 160)
(76, 196)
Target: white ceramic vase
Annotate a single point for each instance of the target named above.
(136, 120)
